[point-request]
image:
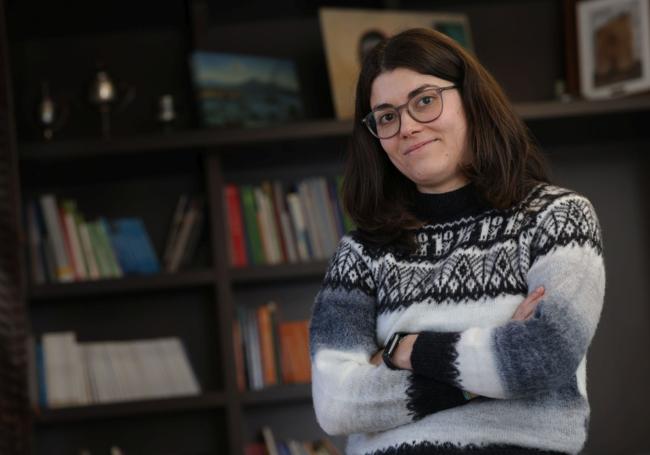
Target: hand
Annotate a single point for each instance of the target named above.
(377, 358)
(527, 308)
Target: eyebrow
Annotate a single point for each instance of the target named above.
(410, 95)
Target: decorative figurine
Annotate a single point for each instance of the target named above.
(51, 115)
(166, 111)
(104, 93)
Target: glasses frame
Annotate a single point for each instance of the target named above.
(438, 90)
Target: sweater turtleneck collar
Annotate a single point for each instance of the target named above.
(435, 208)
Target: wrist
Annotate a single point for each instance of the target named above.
(397, 354)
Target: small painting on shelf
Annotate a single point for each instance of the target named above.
(349, 34)
(245, 91)
(614, 47)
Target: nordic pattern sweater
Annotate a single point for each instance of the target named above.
(473, 266)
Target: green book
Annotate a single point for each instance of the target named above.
(98, 249)
(252, 227)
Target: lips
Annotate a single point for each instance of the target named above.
(419, 145)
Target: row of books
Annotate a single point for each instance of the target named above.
(270, 445)
(268, 351)
(69, 373)
(64, 247)
(277, 222)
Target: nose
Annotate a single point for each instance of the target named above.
(408, 125)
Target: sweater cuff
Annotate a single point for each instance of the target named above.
(434, 356)
(428, 396)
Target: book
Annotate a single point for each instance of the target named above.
(68, 210)
(267, 349)
(104, 238)
(87, 247)
(251, 225)
(133, 247)
(280, 202)
(238, 346)
(190, 218)
(64, 271)
(174, 227)
(237, 237)
(303, 241)
(296, 362)
(37, 265)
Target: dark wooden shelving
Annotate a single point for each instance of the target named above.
(129, 284)
(213, 400)
(204, 139)
(277, 395)
(213, 140)
(267, 273)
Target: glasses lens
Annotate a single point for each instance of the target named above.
(426, 106)
(384, 123)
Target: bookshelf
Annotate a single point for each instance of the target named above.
(141, 171)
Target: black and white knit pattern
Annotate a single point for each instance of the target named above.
(459, 291)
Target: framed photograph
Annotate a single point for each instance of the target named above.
(348, 34)
(235, 90)
(614, 47)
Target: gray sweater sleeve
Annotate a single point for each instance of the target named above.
(350, 394)
(524, 358)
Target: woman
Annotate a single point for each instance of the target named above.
(456, 318)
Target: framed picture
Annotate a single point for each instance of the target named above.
(614, 47)
(349, 34)
(235, 90)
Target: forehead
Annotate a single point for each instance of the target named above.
(393, 86)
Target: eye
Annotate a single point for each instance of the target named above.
(386, 117)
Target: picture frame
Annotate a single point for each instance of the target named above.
(613, 47)
(235, 90)
(348, 34)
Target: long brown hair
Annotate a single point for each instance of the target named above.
(505, 163)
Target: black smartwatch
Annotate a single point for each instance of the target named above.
(391, 345)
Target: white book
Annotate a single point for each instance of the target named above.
(87, 350)
(128, 368)
(154, 375)
(183, 377)
(299, 226)
(52, 219)
(306, 203)
(120, 393)
(332, 226)
(57, 380)
(87, 248)
(77, 371)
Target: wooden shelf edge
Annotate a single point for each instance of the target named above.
(213, 400)
(212, 139)
(191, 278)
(277, 395)
(268, 273)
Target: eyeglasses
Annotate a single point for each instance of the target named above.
(424, 106)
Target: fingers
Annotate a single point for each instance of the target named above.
(527, 308)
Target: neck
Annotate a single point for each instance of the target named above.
(447, 206)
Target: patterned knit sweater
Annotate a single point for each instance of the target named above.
(473, 266)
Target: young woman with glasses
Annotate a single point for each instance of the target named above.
(456, 318)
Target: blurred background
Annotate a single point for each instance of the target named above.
(169, 182)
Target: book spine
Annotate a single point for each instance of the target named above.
(176, 222)
(68, 210)
(103, 230)
(235, 226)
(64, 271)
(266, 345)
(252, 229)
(288, 236)
(303, 241)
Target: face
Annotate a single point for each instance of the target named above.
(429, 154)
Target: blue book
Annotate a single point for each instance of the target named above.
(133, 247)
(40, 374)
